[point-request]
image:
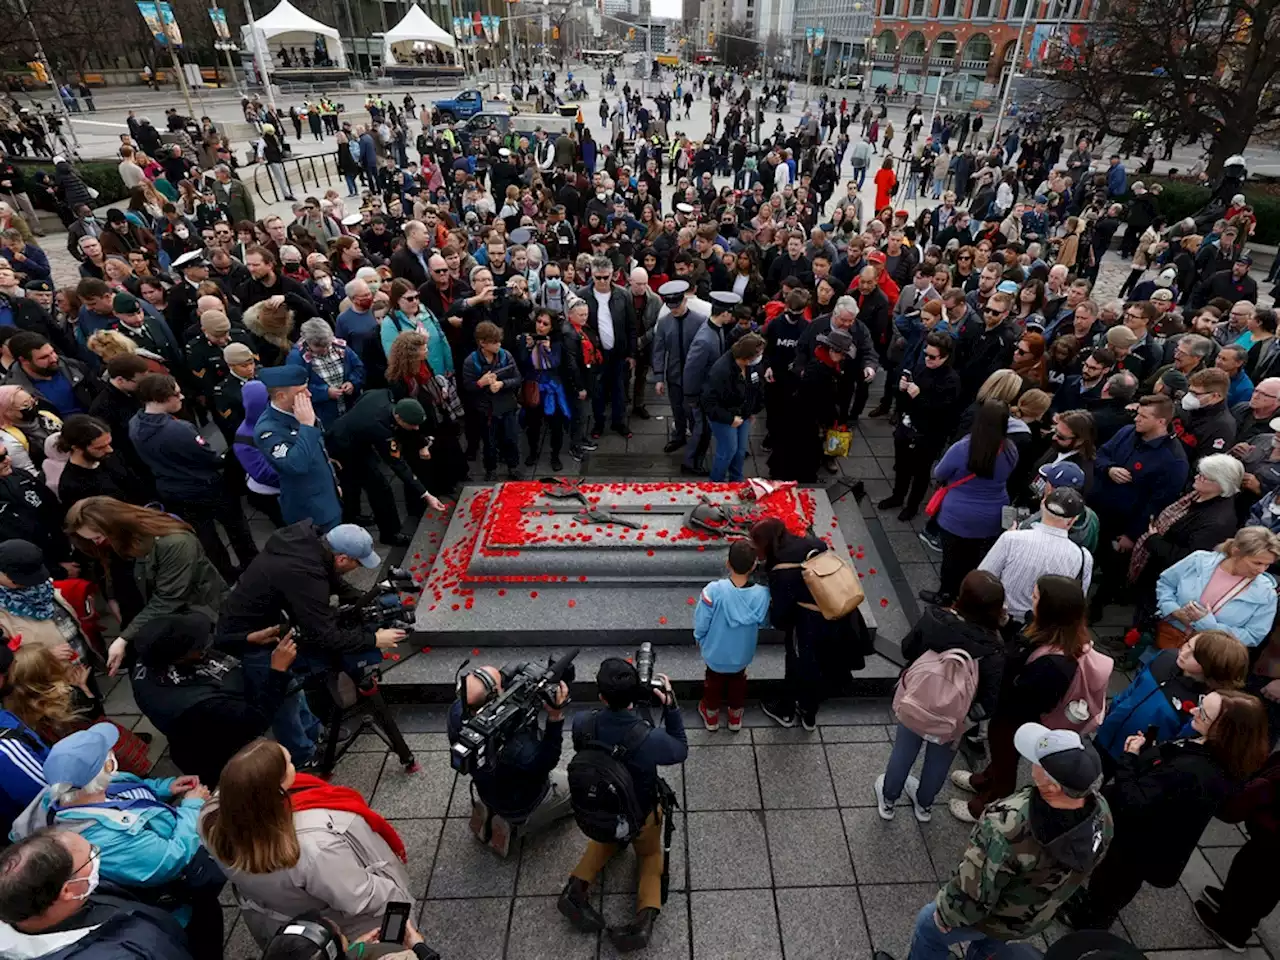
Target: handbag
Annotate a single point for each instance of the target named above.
(1170, 634)
(530, 393)
(935, 502)
(837, 441)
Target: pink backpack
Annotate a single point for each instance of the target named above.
(1085, 704)
(934, 695)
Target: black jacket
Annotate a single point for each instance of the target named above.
(864, 354)
(1162, 800)
(207, 711)
(111, 478)
(121, 928)
(369, 430)
(519, 780)
(29, 511)
(404, 264)
(981, 352)
(935, 409)
(183, 463)
(1030, 690)
(1204, 431)
(293, 576)
(939, 630)
(874, 313)
(623, 313)
(729, 392)
(117, 408)
(295, 296)
(1202, 527)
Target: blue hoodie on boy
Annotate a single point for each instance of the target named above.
(727, 621)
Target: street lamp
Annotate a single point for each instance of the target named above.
(1013, 70)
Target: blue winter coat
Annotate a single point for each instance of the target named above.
(1247, 617)
(1148, 702)
(352, 369)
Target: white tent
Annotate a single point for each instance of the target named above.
(415, 27)
(287, 26)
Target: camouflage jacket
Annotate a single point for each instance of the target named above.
(1010, 883)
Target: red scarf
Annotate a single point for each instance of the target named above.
(312, 793)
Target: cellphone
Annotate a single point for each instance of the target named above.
(1152, 732)
(906, 375)
(394, 922)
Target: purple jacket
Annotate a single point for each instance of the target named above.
(973, 509)
(254, 398)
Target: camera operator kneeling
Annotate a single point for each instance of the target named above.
(523, 789)
(644, 749)
(292, 579)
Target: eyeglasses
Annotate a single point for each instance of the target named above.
(932, 356)
(95, 854)
(966, 257)
(992, 311)
(408, 296)
(1018, 349)
(1134, 316)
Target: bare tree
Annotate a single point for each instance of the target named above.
(1199, 70)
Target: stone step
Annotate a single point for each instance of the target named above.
(426, 674)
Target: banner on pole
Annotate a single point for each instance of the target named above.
(170, 22)
(818, 36)
(808, 39)
(151, 16)
(218, 17)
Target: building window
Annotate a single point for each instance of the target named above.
(947, 9)
(918, 8)
(889, 8)
(1018, 9)
(982, 10)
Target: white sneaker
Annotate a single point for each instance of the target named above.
(911, 788)
(963, 779)
(960, 810)
(883, 806)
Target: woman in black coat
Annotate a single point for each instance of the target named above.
(808, 410)
(820, 652)
(930, 394)
(1163, 795)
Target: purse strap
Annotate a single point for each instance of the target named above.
(959, 483)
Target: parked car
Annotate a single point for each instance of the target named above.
(846, 81)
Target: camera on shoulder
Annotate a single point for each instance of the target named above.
(526, 689)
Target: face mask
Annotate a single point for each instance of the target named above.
(756, 361)
(1191, 402)
(601, 196)
(553, 283)
(90, 882)
(182, 232)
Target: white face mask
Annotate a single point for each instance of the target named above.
(90, 882)
(1191, 402)
(182, 232)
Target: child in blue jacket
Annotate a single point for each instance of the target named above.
(726, 623)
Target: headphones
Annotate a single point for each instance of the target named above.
(460, 685)
(316, 933)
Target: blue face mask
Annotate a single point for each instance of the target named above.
(553, 283)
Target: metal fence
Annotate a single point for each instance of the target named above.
(320, 171)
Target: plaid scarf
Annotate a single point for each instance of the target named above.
(1163, 521)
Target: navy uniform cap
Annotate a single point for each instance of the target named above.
(673, 291)
(286, 376)
(725, 299)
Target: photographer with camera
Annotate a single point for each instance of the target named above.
(618, 796)
(292, 580)
(520, 790)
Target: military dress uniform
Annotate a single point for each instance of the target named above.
(297, 452)
(205, 360)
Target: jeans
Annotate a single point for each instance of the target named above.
(937, 761)
(731, 449)
(930, 943)
(294, 725)
(501, 435)
(281, 180)
(860, 175)
(351, 185)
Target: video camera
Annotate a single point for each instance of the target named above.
(382, 605)
(525, 689)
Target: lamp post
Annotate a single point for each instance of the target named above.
(1013, 70)
(257, 42)
(59, 106)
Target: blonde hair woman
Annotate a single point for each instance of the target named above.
(24, 428)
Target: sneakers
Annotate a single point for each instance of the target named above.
(1212, 896)
(890, 503)
(960, 810)
(1211, 920)
(808, 720)
(577, 453)
(710, 718)
(589, 445)
(931, 540)
(735, 719)
(912, 789)
(883, 806)
(784, 715)
(963, 780)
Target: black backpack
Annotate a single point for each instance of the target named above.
(601, 787)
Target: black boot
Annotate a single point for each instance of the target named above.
(634, 935)
(575, 904)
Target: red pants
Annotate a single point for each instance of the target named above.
(728, 688)
(1000, 777)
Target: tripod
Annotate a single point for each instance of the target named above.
(353, 696)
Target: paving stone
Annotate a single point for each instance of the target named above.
(359, 771)
(539, 932)
(786, 735)
(1220, 860)
(886, 851)
(891, 911)
(807, 848)
(120, 702)
(420, 718)
(468, 929)
(860, 734)
(1163, 918)
(422, 794)
(1219, 834)
(822, 924)
(1199, 873)
(670, 939)
(907, 547)
(854, 767)
(854, 710)
(920, 576)
(418, 743)
(721, 779)
(620, 876)
(945, 837)
(420, 838)
(547, 857)
(465, 868)
(240, 943)
(794, 776)
(701, 737)
(728, 850)
(734, 925)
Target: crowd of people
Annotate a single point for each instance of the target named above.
(503, 292)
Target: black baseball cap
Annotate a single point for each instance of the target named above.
(23, 563)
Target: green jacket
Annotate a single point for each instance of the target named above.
(1009, 883)
(176, 577)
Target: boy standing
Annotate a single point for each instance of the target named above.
(726, 623)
